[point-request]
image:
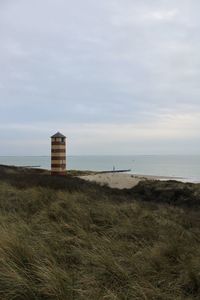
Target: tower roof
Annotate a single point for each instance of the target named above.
(58, 135)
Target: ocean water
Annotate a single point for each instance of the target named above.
(185, 167)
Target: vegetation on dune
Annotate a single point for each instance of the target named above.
(170, 192)
(64, 238)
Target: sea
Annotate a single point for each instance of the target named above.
(182, 167)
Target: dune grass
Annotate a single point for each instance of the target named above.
(64, 238)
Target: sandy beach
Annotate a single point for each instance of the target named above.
(122, 180)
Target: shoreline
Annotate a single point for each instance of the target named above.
(127, 181)
(119, 180)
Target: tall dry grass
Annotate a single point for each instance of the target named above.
(66, 239)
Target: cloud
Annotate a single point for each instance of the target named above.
(166, 133)
(117, 69)
(162, 15)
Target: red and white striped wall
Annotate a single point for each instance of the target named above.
(58, 154)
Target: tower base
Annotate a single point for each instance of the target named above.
(63, 173)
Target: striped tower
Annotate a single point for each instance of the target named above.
(58, 154)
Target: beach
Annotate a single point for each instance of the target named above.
(122, 180)
(173, 167)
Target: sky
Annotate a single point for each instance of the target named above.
(115, 76)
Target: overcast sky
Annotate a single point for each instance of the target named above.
(114, 76)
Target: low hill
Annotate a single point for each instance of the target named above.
(65, 238)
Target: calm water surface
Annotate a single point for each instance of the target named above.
(187, 167)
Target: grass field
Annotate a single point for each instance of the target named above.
(64, 238)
